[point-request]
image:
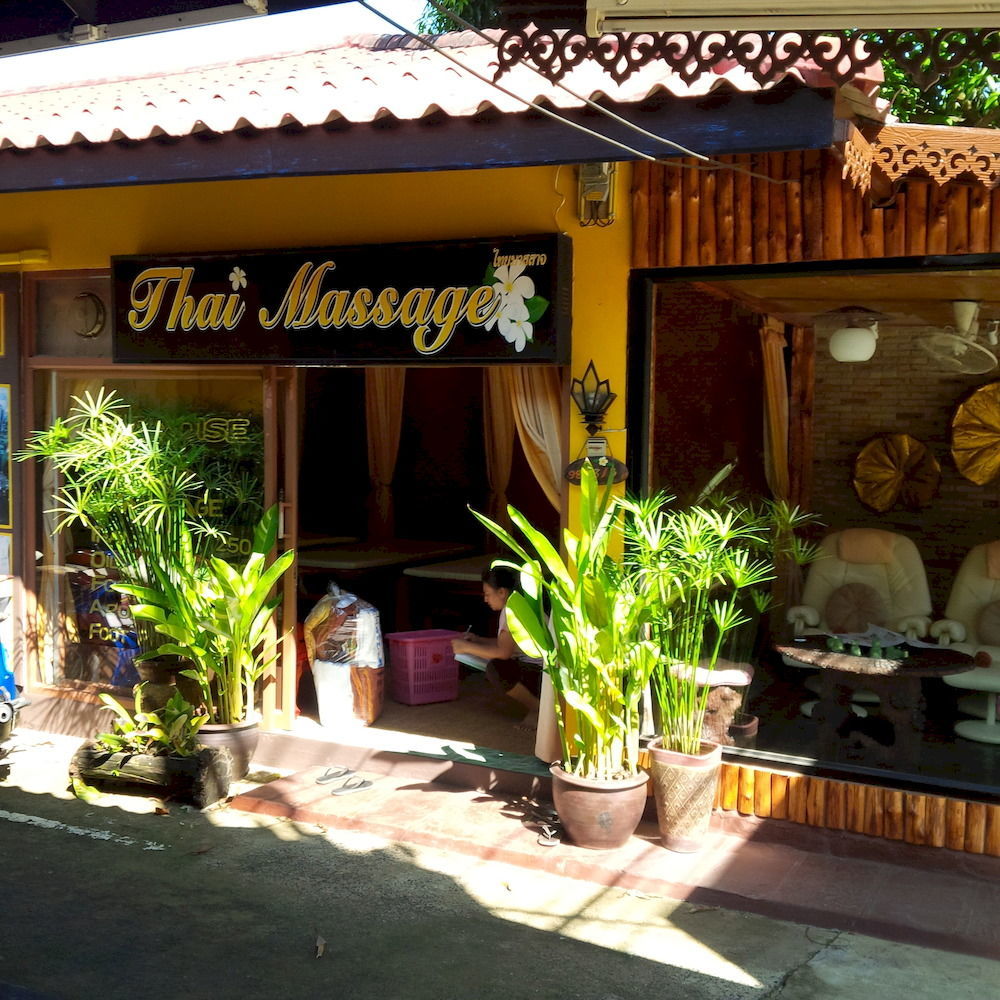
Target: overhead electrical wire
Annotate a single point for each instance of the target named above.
(707, 163)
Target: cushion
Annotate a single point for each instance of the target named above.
(853, 607)
(988, 624)
(865, 546)
(993, 560)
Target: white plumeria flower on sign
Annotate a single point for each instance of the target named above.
(512, 307)
(238, 278)
(516, 331)
(510, 282)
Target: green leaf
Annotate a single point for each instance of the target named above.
(491, 275)
(537, 305)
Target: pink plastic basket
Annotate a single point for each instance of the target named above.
(422, 667)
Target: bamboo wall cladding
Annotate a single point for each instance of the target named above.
(927, 820)
(698, 218)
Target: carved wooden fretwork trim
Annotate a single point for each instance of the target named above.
(939, 152)
(857, 153)
(766, 56)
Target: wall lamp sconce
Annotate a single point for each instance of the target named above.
(856, 336)
(596, 183)
(593, 396)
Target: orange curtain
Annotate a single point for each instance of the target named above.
(384, 415)
(498, 432)
(534, 395)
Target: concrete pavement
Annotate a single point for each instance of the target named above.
(117, 896)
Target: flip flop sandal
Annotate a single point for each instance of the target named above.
(549, 837)
(353, 784)
(334, 774)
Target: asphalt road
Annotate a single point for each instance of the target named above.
(110, 899)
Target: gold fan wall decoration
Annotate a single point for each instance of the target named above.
(895, 469)
(975, 434)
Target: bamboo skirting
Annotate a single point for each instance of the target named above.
(698, 218)
(929, 820)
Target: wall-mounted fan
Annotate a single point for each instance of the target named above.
(956, 349)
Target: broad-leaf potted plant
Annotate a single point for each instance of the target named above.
(586, 621)
(157, 750)
(220, 618)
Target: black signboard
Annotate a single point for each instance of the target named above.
(483, 301)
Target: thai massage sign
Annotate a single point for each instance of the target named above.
(477, 301)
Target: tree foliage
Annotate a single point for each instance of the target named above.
(481, 13)
(964, 94)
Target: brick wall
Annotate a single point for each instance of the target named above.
(898, 391)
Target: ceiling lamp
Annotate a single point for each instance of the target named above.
(856, 336)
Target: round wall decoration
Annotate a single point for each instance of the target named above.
(975, 434)
(895, 468)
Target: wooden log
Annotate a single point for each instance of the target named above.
(642, 233)
(836, 805)
(937, 219)
(812, 205)
(670, 227)
(725, 225)
(800, 415)
(798, 789)
(916, 217)
(833, 208)
(761, 210)
(872, 228)
(793, 204)
(708, 240)
(936, 829)
(915, 819)
(744, 800)
(691, 209)
(855, 816)
(730, 785)
(762, 794)
(874, 811)
(956, 208)
(777, 208)
(743, 207)
(954, 825)
(201, 779)
(975, 827)
(894, 817)
(979, 220)
(991, 842)
(779, 796)
(816, 802)
(994, 221)
(894, 226)
(854, 247)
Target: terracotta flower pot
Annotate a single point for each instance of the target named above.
(239, 738)
(684, 790)
(743, 730)
(599, 815)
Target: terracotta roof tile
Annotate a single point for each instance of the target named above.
(362, 79)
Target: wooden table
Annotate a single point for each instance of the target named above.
(428, 590)
(898, 683)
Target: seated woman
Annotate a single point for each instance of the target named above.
(508, 669)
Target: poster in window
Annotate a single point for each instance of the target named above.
(5, 456)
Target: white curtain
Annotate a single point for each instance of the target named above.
(535, 397)
(384, 415)
(498, 430)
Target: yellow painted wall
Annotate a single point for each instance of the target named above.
(83, 229)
